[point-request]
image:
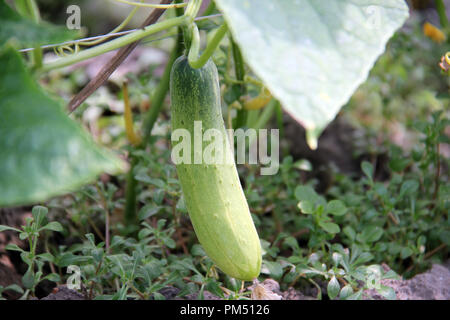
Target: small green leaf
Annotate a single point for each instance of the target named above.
(46, 257)
(406, 252)
(23, 235)
(52, 277)
(306, 193)
(363, 258)
(329, 227)
(370, 234)
(336, 207)
(15, 288)
(13, 247)
(367, 168)
(409, 187)
(5, 228)
(53, 226)
(274, 268)
(356, 296)
(399, 164)
(197, 250)
(349, 232)
(39, 213)
(148, 210)
(333, 288)
(346, 291)
(387, 292)
(28, 279)
(307, 207)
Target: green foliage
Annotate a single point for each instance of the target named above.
(329, 242)
(309, 70)
(44, 153)
(28, 33)
(30, 232)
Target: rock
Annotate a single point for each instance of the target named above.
(206, 296)
(64, 293)
(431, 285)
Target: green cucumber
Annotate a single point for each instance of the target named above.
(213, 193)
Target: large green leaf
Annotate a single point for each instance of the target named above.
(43, 152)
(313, 54)
(26, 32)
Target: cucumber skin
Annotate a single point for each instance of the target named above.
(213, 193)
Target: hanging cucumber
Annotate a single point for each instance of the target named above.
(213, 194)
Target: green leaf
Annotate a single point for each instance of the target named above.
(148, 210)
(409, 187)
(313, 54)
(370, 234)
(307, 207)
(274, 268)
(356, 296)
(5, 228)
(44, 152)
(329, 227)
(333, 288)
(307, 193)
(28, 279)
(52, 277)
(387, 292)
(367, 168)
(53, 226)
(14, 287)
(349, 232)
(13, 247)
(27, 32)
(346, 292)
(46, 257)
(336, 207)
(406, 252)
(39, 213)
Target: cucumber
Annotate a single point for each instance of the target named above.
(213, 193)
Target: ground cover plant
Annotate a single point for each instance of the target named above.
(350, 191)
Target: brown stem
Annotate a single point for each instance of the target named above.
(432, 252)
(112, 64)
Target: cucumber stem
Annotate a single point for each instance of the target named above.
(194, 60)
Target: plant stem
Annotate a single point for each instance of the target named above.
(115, 44)
(149, 121)
(152, 5)
(440, 7)
(130, 195)
(438, 172)
(266, 114)
(29, 9)
(239, 69)
(21, 7)
(198, 62)
(160, 94)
